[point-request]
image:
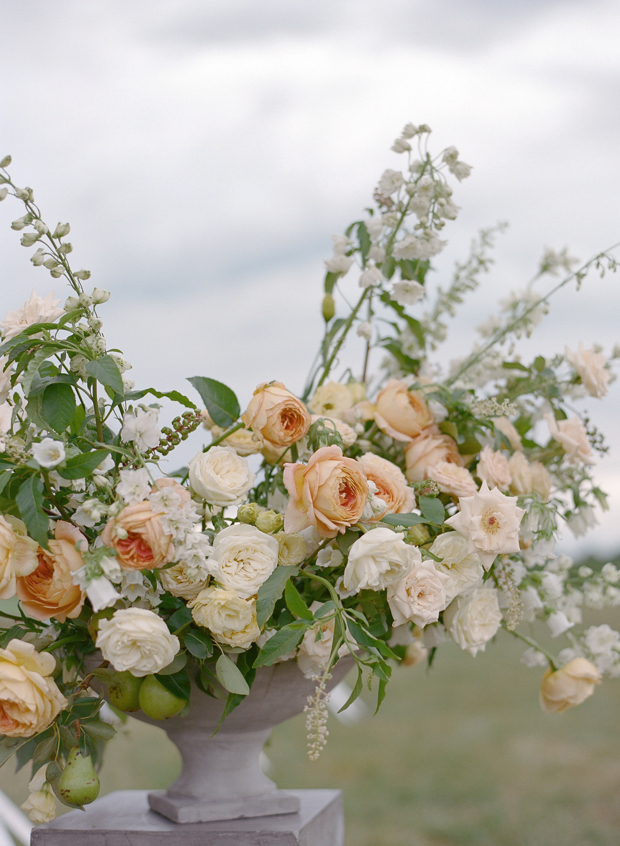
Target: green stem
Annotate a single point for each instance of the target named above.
(97, 412)
(345, 331)
(531, 642)
(62, 642)
(224, 435)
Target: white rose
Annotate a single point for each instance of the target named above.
(377, 559)
(494, 469)
(490, 521)
(590, 365)
(463, 568)
(572, 437)
(420, 596)
(243, 558)
(231, 619)
(472, 620)
(137, 640)
(181, 580)
(220, 476)
(331, 400)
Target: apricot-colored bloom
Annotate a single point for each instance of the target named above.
(138, 538)
(427, 450)
(49, 590)
(568, 686)
(277, 415)
(391, 484)
(402, 414)
(18, 554)
(329, 493)
(29, 697)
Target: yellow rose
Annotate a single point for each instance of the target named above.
(48, 591)
(18, 554)
(329, 493)
(277, 415)
(138, 538)
(400, 413)
(568, 686)
(29, 698)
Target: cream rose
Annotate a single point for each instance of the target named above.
(29, 698)
(453, 479)
(377, 559)
(427, 450)
(137, 535)
(494, 469)
(329, 493)
(243, 441)
(180, 581)
(490, 521)
(420, 596)
(463, 568)
(40, 804)
(220, 476)
(292, 549)
(331, 400)
(231, 619)
(243, 558)
(391, 484)
(472, 619)
(400, 413)
(137, 640)
(590, 366)
(572, 437)
(277, 415)
(568, 686)
(18, 554)
(49, 590)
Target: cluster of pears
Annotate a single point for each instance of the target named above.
(128, 693)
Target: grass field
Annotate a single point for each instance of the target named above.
(459, 755)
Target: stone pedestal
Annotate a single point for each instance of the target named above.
(125, 819)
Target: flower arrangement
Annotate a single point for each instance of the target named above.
(373, 516)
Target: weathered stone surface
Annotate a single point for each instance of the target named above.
(124, 819)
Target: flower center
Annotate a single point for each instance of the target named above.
(491, 521)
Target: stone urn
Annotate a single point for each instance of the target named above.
(221, 777)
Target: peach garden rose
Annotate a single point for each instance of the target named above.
(29, 697)
(138, 538)
(400, 413)
(277, 415)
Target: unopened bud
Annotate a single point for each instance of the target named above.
(418, 534)
(121, 533)
(99, 296)
(249, 512)
(71, 303)
(415, 653)
(269, 522)
(84, 300)
(40, 227)
(65, 248)
(38, 258)
(329, 307)
(6, 161)
(82, 274)
(57, 272)
(21, 223)
(3, 193)
(29, 239)
(50, 263)
(61, 230)
(24, 194)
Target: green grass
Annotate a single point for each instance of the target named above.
(459, 755)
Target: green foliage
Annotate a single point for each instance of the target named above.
(271, 591)
(230, 677)
(105, 370)
(220, 401)
(29, 500)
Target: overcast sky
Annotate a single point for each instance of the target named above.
(204, 153)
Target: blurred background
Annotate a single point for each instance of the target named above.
(204, 153)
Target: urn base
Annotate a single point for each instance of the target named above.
(183, 810)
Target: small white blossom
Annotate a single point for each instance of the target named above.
(407, 292)
(338, 263)
(371, 278)
(134, 485)
(48, 453)
(401, 145)
(364, 330)
(142, 428)
(533, 658)
(558, 623)
(390, 182)
(610, 573)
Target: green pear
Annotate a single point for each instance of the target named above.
(123, 691)
(157, 702)
(79, 783)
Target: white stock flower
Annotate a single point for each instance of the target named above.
(390, 182)
(473, 619)
(572, 437)
(377, 559)
(134, 485)
(419, 247)
(407, 292)
(329, 557)
(601, 639)
(463, 568)
(531, 603)
(490, 521)
(341, 244)
(220, 476)
(371, 278)
(48, 453)
(420, 596)
(142, 428)
(438, 410)
(590, 366)
(338, 263)
(34, 310)
(558, 623)
(137, 640)
(374, 227)
(243, 558)
(101, 593)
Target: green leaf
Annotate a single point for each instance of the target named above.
(354, 693)
(82, 465)
(230, 677)
(470, 446)
(180, 618)
(279, 645)
(58, 405)
(432, 509)
(175, 666)
(5, 476)
(14, 632)
(198, 644)
(33, 367)
(43, 750)
(381, 693)
(10, 745)
(295, 603)
(178, 684)
(29, 500)
(219, 399)
(98, 730)
(40, 383)
(330, 281)
(515, 365)
(388, 267)
(364, 239)
(175, 396)
(367, 640)
(104, 370)
(403, 519)
(410, 365)
(449, 428)
(270, 591)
